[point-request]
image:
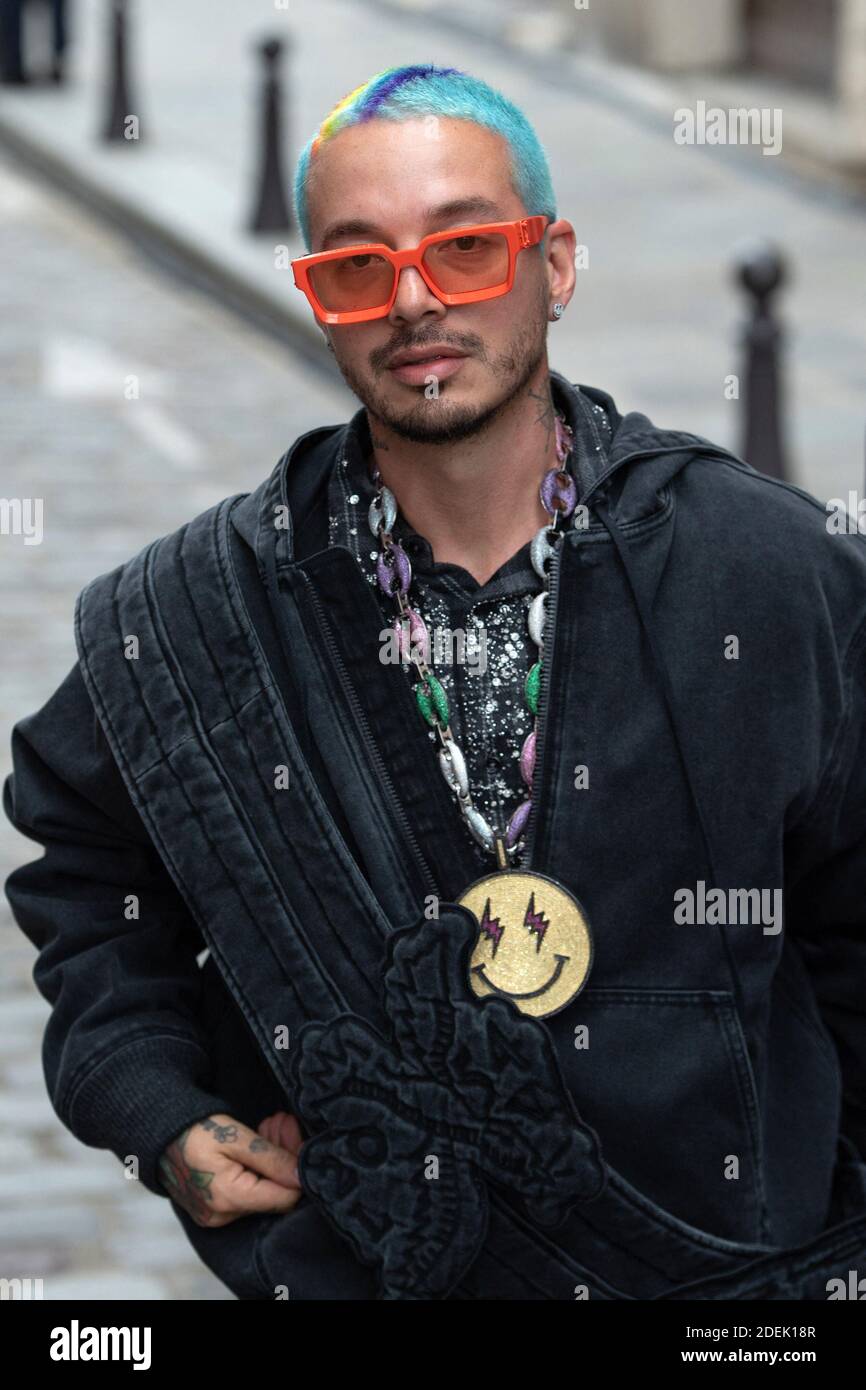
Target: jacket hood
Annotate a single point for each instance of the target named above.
(642, 459)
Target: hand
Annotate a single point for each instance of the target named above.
(219, 1169)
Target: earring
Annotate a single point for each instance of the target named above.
(558, 311)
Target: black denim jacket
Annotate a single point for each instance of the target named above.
(736, 763)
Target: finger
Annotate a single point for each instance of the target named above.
(267, 1128)
(276, 1208)
(268, 1157)
(246, 1191)
(289, 1132)
(283, 1129)
(231, 1140)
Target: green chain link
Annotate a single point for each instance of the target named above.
(432, 701)
(533, 686)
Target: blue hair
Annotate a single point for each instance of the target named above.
(404, 93)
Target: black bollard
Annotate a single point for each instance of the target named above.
(272, 212)
(761, 270)
(12, 69)
(119, 102)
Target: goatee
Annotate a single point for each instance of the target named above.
(437, 420)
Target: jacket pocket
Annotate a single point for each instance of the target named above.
(665, 1079)
(299, 1256)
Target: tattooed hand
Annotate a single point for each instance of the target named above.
(218, 1169)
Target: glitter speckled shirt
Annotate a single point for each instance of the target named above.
(488, 712)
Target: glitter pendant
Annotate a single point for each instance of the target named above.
(534, 945)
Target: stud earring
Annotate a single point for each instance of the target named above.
(558, 311)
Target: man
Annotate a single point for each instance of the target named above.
(499, 998)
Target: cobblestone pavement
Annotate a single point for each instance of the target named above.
(217, 406)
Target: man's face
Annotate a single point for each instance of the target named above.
(395, 182)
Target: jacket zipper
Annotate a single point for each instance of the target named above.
(547, 664)
(370, 746)
(543, 720)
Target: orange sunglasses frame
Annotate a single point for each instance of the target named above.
(525, 231)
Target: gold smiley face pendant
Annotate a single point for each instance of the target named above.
(534, 945)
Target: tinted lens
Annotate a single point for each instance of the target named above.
(355, 281)
(475, 262)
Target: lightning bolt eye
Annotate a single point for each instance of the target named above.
(490, 927)
(535, 921)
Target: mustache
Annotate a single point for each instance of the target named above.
(466, 342)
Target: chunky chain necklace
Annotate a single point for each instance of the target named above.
(533, 938)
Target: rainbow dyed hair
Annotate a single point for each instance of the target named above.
(400, 94)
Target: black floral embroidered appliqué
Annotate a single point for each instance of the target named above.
(408, 1132)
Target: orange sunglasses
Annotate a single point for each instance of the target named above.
(357, 283)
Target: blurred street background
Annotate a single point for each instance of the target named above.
(155, 356)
